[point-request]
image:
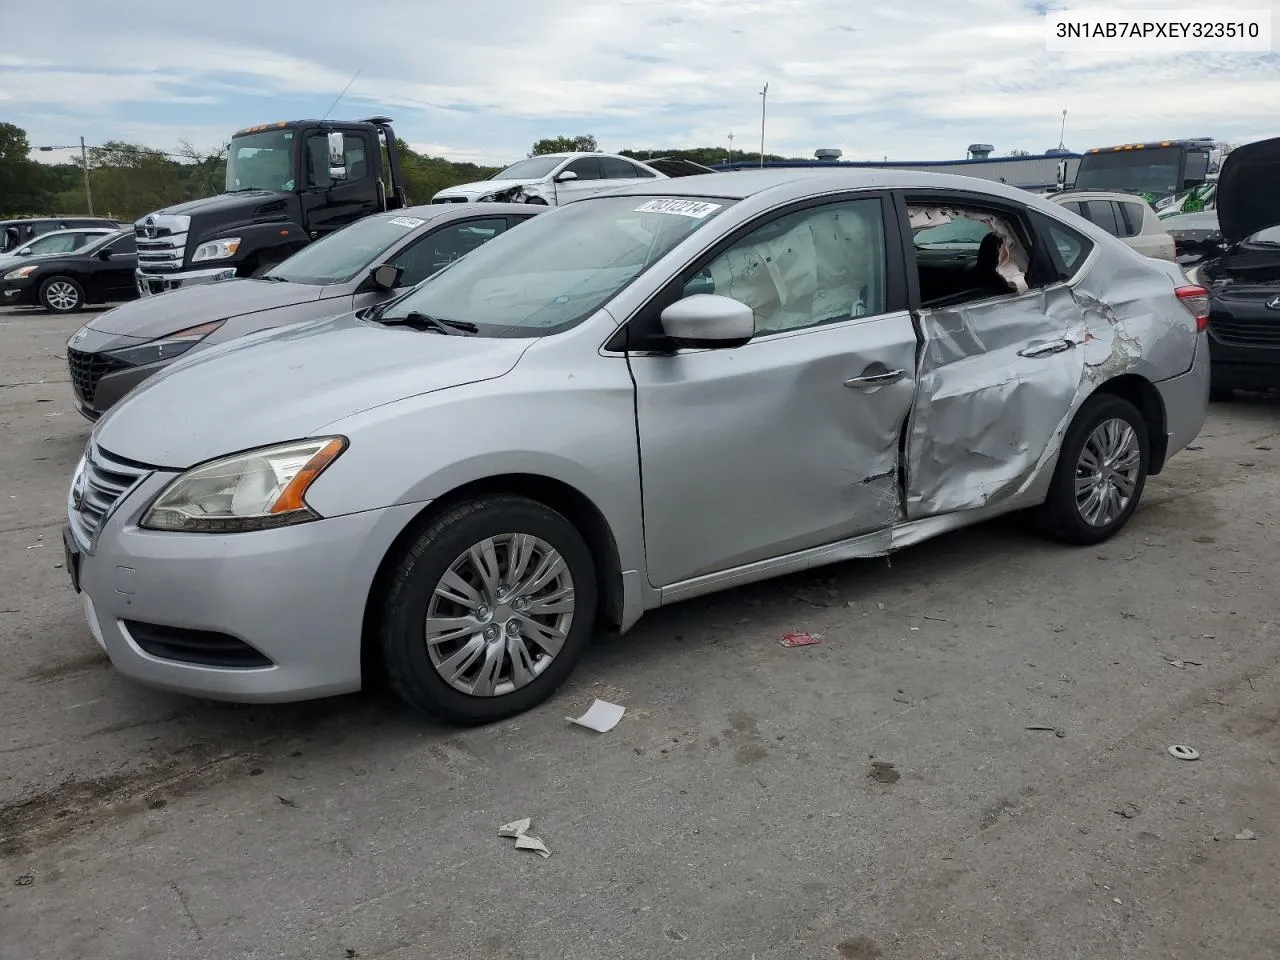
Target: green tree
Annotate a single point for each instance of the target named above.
(564, 145)
(1019, 153)
(25, 186)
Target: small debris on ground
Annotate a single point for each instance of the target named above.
(800, 639)
(1195, 446)
(1181, 751)
(1205, 539)
(1128, 810)
(882, 771)
(26, 880)
(1262, 446)
(1246, 835)
(351, 953)
(524, 840)
(286, 801)
(601, 716)
(1182, 664)
(1057, 731)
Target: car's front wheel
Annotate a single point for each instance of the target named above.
(488, 610)
(61, 295)
(1101, 472)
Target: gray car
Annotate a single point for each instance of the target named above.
(119, 349)
(634, 399)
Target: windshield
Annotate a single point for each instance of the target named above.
(341, 255)
(535, 168)
(558, 268)
(1154, 171)
(261, 161)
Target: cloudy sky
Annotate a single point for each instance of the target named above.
(481, 80)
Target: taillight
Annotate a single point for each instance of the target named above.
(1196, 300)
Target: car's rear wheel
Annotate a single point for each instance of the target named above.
(488, 610)
(1100, 474)
(61, 295)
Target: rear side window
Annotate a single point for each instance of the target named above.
(1103, 213)
(614, 168)
(1131, 217)
(1069, 248)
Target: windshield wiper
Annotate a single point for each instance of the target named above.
(424, 321)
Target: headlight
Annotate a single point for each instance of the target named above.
(500, 196)
(257, 490)
(216, 250)
(21, 273)
(166, 347)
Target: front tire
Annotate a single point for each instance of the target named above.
(536, 201)
(1100, 474)
(61, 295)
(488, 610)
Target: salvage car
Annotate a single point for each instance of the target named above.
(356, 266)
(1122, 215)
(101, 271)
(552, 179)
(1234, 252)
(631, 400)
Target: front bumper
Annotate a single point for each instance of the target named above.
(15, 293)
(1240, 367)
(150, 284)
(295, 596)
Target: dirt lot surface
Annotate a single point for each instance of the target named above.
(887, 793)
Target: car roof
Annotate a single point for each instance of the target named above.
(444, 212)
(800, 181)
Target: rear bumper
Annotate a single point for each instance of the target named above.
(1186, 400)
(150, 284)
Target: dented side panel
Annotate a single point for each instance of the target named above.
(989, 414)
(752, 453)
(990, 421)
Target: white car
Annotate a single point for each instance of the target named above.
(58, 241)
(1123, 215)
(553, 179)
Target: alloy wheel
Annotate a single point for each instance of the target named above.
(61, 295)
(499, 615)
(1107, 472)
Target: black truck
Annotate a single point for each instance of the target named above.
(287, 184)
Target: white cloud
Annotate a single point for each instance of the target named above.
(481, 81)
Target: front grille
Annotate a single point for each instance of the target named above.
(203, 647)
(1246, 333)
(162, 254)
(87, 369)
(107, 478)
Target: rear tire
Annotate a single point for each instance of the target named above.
(61, 295)
(506, 589)
(1100, 474)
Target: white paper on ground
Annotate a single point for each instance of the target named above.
(601, 716)
(517, 828)
(527, 842)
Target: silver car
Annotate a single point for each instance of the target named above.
(631, 400)
(357, 266)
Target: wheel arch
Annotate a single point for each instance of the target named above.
(1142, 393)
(576, 507)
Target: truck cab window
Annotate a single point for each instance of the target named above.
(261, 161)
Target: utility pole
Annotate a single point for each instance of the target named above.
(1062, 134)
(731, 149)
(764, 96)
(84, 162)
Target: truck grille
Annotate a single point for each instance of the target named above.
(87, 369)
(98, 487)
(162, 242)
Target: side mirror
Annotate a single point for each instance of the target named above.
(709, 320)
(104, 254)
(387, 276)
(564, 175)
(337, 157)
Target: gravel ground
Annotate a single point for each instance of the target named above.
(879, 795)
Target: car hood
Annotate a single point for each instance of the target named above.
(288, 383)
(480, 188)
(1248, 198)
(218, 203)
(151, 317)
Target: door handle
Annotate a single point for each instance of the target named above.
(1046, 349)
(875, 380)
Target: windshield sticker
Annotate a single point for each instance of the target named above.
(698, 209)
(409, 222)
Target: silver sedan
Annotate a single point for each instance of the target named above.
(634, 399)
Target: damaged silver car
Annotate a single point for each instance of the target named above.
(634, 399)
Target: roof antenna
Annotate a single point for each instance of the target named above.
(341, 95)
